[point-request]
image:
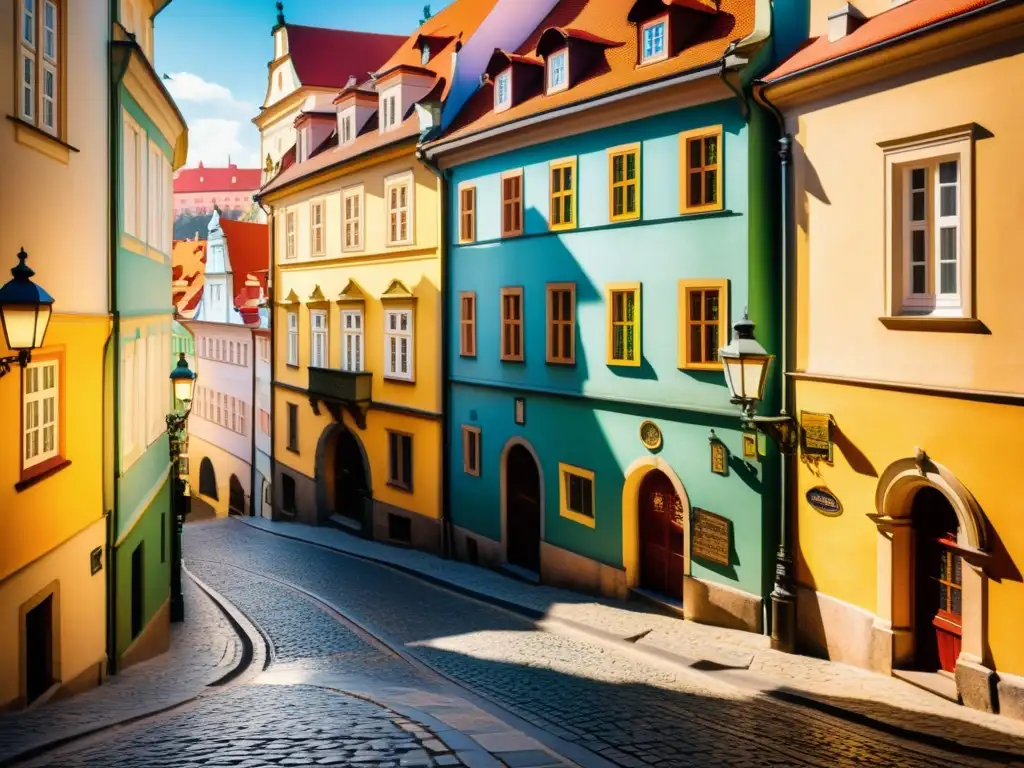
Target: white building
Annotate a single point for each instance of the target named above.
(226, 430)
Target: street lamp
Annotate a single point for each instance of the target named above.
(25, 311)
(746, 364)
(183, 381)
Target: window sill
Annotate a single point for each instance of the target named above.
(292, 365)
(576, 517)
(512, 360)
(701, 209)
(292, 450)
(623, 363)
(929, 323)
(36, 138)
(41, 472)
(399, 486)
(399, 379)
(700, 367)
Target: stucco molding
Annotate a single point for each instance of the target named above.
(503, 491)
(634, 475)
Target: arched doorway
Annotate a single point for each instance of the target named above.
(662, 536)
(207, 479)
(522, 509)
(938, 582)
(236, 497)
(351, 481)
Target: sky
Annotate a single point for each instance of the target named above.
(216, 54)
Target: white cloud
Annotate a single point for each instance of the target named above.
(185, 86)
(212, 139)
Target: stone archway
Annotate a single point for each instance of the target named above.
(895, 616)
(207, 479)
(504, 489)
(343, 478)
(634, 476)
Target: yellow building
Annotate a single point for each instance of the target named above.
(906, 174)
(53, 203)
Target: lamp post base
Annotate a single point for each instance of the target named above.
(783, 605)
(177, 608)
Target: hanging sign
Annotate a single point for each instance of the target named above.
(823, 500)
(710, 537)
(816, 435)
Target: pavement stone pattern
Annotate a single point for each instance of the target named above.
(203, 648)
(628, 711)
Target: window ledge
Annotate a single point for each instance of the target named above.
(700, 367)
(41, 472)
(398, 379)
(933, 324)
(399, 487)
(293, 450)
(38, 139)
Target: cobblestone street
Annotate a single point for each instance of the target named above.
(370, 666)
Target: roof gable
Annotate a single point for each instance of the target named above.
(327, 58)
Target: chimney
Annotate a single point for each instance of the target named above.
(843, 22)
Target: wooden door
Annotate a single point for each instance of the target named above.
(948, 619)
(662, 536)
(939, 583)
(522, 509)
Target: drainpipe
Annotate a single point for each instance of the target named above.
(273, 348)
(783, 595)
(446, 523)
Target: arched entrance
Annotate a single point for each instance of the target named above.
(632, 545)
(236, 497)
(662, 536)
(207, 479)
(343, 475)
(522, 509)
(938, 582)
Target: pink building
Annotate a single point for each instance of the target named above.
(197, 190)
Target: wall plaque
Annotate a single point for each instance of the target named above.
(719, 455)
(816, 435)
(710, 537)
(750, 446)
(823, 500)
(650, 435)
(96, 561)
(520, 411)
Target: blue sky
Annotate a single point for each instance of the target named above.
(217, 52)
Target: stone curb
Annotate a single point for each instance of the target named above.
(789, 696)
(245, 660)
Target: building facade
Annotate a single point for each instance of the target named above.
(201, 189)
(610, 219)
(149, 141)
(906, 195)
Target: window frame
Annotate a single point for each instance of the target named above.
(43, 461)
(315, 332)
(506, 324)
(315, 228)
(404, 179)
(34, 52)
(685, 204)
(506, 76)
(471, 454)
(467, 214)
(467, 325)
(354, 194)
(138, 195)
(389, 373)
(292, 433)
(292, 361)
(290, 250)
(550, 357)
(654, 58)
(560, 166)
(515, 204)
(624, 151)
(549, 70)
(686, 287)
(610, 290)
(359, 334)
(394, 481)
(565, 471)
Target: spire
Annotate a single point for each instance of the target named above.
(280, 13)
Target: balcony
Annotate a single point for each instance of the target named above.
(340, 389)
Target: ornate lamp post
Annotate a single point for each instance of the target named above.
(25, 311)
(746, 364)
(183, 381)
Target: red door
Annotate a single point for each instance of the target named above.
(662, 534)
(948, 621)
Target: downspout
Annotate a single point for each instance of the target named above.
(273, 348)
(446, 523)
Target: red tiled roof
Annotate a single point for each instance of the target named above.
(248, 249)
(909, 17)
(202, 179)
(607, 21)
(188, 260)
(326, 58)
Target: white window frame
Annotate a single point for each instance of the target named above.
(650, 26)
(293, 338)
(394, 338)
(397, 182)
(355, 243)
(346, 129)
(38, 426)
(136, 179)
(503, 87)
(318, 228)
(318, 356)
(558, 62)
(353, 341)
(51, 66)
(38, 62)
(141, 391)
(289, 234)
(127, 404)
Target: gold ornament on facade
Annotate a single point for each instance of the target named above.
(650, 435)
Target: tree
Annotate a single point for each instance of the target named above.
(426, 14)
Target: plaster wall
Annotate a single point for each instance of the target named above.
(225, 464)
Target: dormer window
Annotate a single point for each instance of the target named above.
(558, 71)
(654, 40)
(425, 54)
(346, 129)
(503, 91)
(389, 115)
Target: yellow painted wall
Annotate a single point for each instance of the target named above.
(224, 465)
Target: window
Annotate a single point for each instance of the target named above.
(576, 494)
(398, 191)
(289, 235)
(293, 427)
(558, 71)
(624, 324)
(932, 235)
(39, 66)
(352, 340)
(316, 219)
(624, 183)
(512, 324)
(134, 162)
(264, 350)
(128, 379)
(353, 218)
(467, 324)
(424, 54)
(40, 408)
(512, 204)
(703, 326)
(701, 178)
(293, 338)
(398, 344)
(318, 338)
(654, 41)
(346, 129)
(264, 422)
(400, 460)
(503, 91)
(563, 194)
(471, 450)
(561, 347)
(467, 214)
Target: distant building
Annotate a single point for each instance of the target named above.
(198, 190)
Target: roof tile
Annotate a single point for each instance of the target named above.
(326, 58)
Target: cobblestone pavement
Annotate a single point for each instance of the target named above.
(880, 697)
(203, 649)
(622, 707)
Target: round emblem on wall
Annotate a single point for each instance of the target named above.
(823, 500)
(650, 435)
